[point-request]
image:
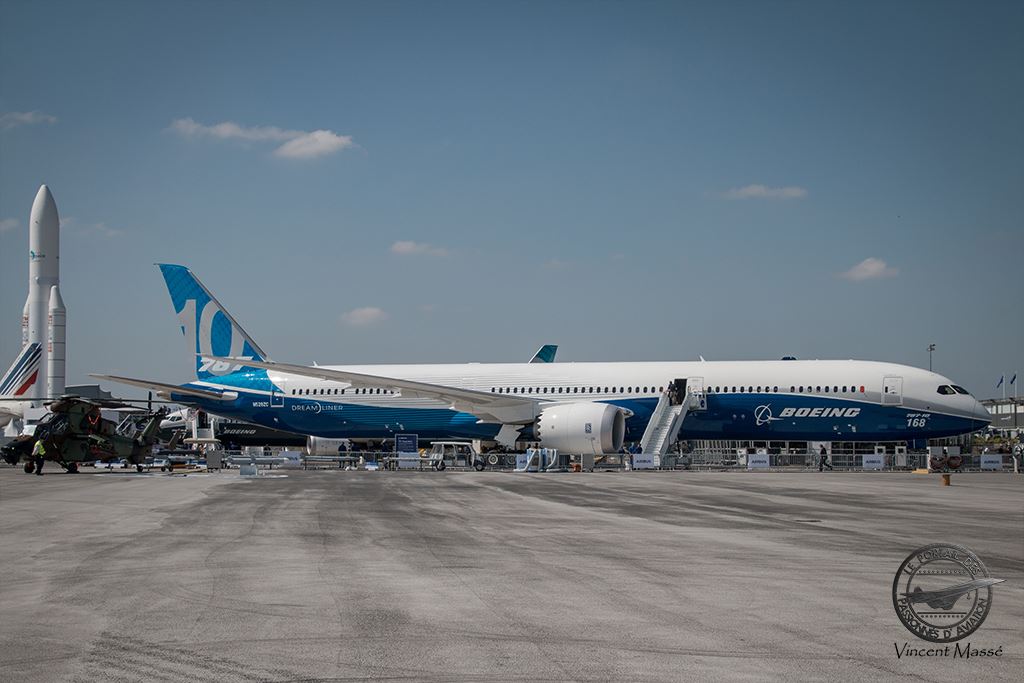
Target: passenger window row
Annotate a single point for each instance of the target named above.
(576, 390)
(750, 389)
(496, 390)
(337, 392)
(834, 389)
(718, 389)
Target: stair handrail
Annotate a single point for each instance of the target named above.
(652, 426)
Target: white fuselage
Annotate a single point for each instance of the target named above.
(814, 400)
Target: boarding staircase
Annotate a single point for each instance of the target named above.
(667, 418)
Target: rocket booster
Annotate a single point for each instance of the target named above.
(43, 275)
(57, 347)
(24, 325)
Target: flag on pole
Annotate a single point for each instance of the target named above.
(1013, 379)
(1001, 377)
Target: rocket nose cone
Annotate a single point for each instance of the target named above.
(56, 300)
(44, 208)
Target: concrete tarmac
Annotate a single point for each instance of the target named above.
(464, 576)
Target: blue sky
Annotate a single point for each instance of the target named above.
(435, 182)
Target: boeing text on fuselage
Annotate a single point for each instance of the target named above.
(819, 412)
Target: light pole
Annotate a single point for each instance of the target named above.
(931, 347)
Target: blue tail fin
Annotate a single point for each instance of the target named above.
(208, 328)
(545, 354)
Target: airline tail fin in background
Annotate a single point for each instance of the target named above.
(23, 372)
(545, 354)
(208, 328)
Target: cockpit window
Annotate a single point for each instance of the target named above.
(961, 390)
(946, 390)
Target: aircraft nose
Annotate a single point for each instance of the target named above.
(982, 415)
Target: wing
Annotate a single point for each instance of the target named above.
(486, 406)
(168, 389)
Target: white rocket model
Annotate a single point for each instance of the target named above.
(43, 292)
(38, 371)
(55, 358)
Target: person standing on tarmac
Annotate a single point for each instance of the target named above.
(39, 456)
(823, 461)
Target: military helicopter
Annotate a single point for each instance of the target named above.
(74, 432)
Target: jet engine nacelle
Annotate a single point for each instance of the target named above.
(582, 428)
(318, 445)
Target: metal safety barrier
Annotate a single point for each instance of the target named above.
(704, 459)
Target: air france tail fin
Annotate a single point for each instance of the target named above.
(208, 328)
(545, 354)
(23, 372)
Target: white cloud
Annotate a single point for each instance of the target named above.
(73, 227)
(8, 224)
(295, 144)
(228, 130)
(870, 269)
(406, 247)
(765, 192)
(364, 317)
(13, 119)
(315, 144)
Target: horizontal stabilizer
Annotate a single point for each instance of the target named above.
(168, 389)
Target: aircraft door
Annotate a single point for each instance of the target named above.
(276, 398)
(677, 392)
(892, 391)
(695, 389)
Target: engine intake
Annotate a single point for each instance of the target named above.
(318, 445)
(582, 428)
